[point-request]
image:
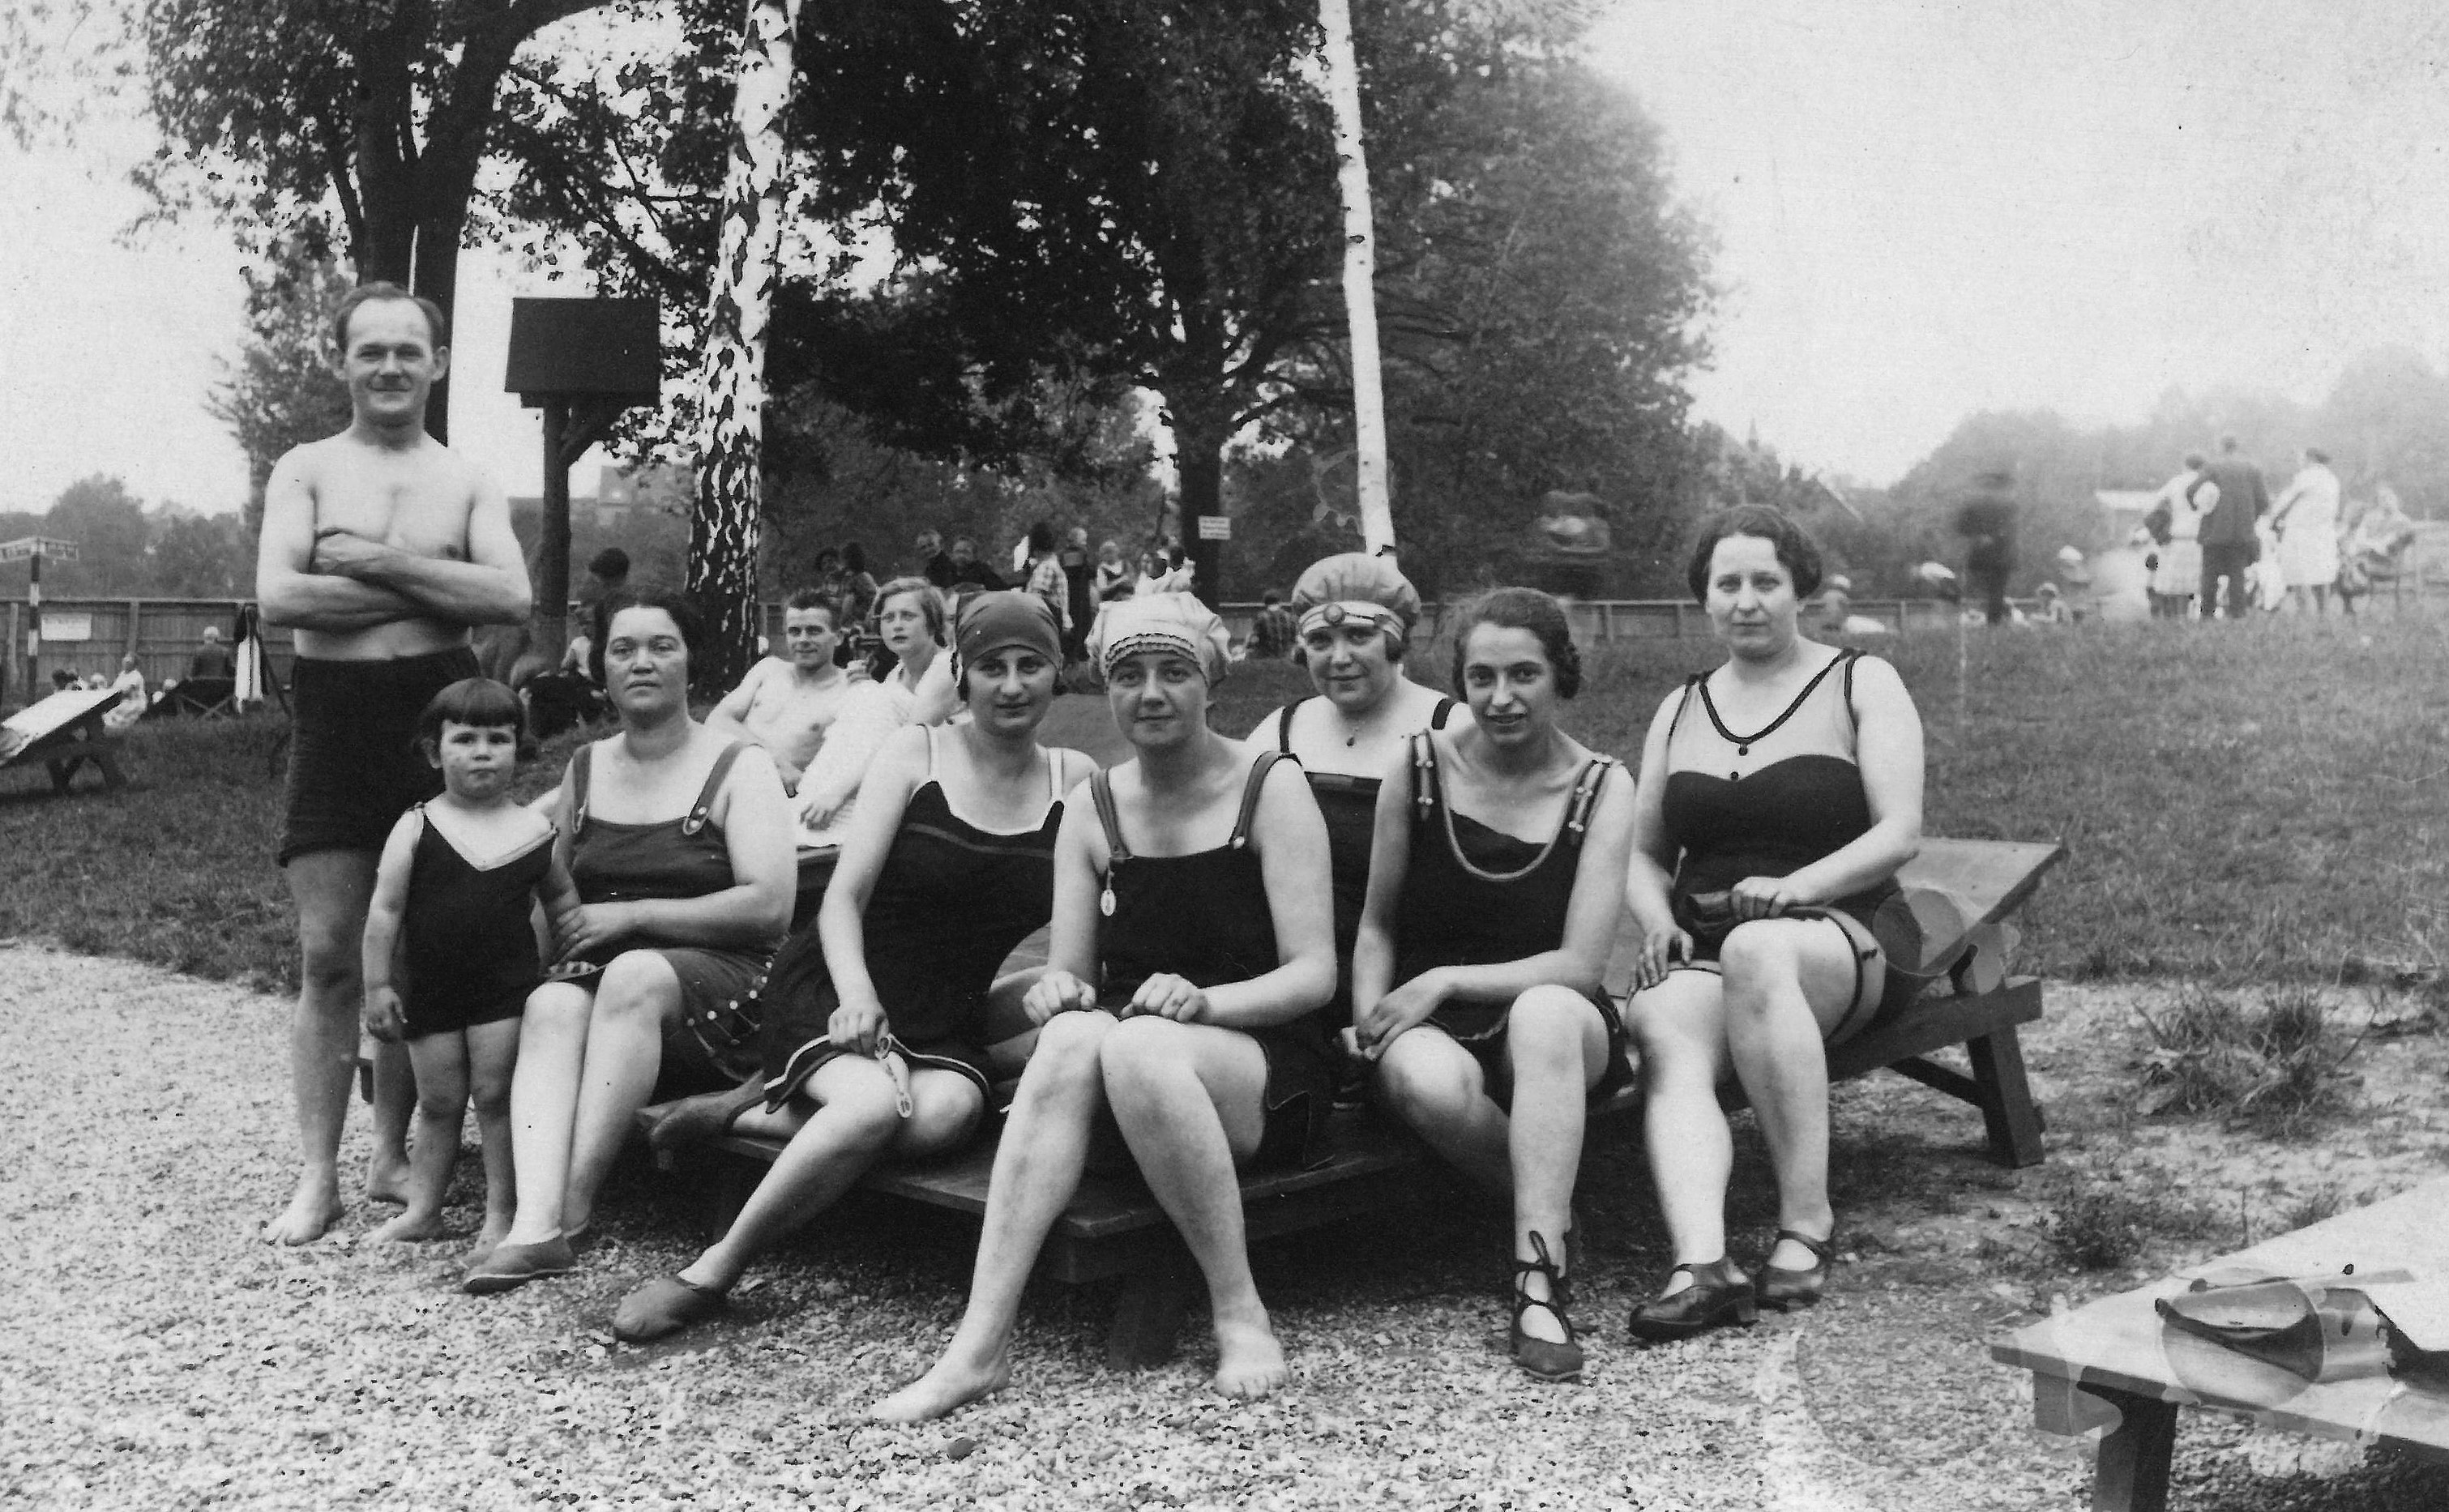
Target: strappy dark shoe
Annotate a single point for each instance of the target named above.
(1781, 1290)
(1716, 1296)
(1544, 1358)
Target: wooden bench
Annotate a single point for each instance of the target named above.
(1114, 1228)
(65, 732)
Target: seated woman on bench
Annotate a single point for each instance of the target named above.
(680, 843)
(1494, 891)
(1192, 947)
(885, 1025)
(1781, 844)
(1356, 616)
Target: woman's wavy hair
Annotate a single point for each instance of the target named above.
(1796, 550)
(1522, 610)
(672, 602)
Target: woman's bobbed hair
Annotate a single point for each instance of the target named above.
(1522, 610)
(1796, 550)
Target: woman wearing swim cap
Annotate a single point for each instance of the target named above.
(1191, 951)
(1355, 615)
(886, 1023)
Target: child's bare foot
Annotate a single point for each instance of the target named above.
(312, 1210)
(387, 1177)
(409, 1228)
(948, 1386)
(1249, 1363)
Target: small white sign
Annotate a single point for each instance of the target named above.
(58, 626)
(1215, 528)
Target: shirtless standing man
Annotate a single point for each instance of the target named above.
(379, 548)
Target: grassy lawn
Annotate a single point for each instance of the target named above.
(2247, 803)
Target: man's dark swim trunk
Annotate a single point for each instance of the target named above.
(354, 766)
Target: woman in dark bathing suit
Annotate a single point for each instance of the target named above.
(1494, 888)
(1778, 794)
(1356, 617)
(680, 844)
(886, 1025)
(1192, 947)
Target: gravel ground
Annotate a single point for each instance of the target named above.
(153, 1355)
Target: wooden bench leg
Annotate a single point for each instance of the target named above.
(2131, 1474)
(113, 775)
(1148, 1314)
(2007, 1107)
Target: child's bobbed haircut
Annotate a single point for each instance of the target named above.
(1522, 610)
(479, 701)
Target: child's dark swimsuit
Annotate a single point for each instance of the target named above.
(950, 902)
(1475, 896)
(471, 949)
(1205, 917)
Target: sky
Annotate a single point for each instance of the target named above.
(1920, 210)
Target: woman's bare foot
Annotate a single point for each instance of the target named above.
(312, 1210)
(1249, 1363)
(949, 1386)
(387, 1177)
(409, 1228)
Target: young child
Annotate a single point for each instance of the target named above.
(450, 953)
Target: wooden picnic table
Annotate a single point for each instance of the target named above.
(2117, 1364)
(65, 732)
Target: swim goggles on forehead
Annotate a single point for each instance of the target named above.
(1327, 616)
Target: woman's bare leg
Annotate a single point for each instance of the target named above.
(1556, 1048)
(638, 994)
(543, 1104)
(1188, 1097)
(856, 1123)
(1037, 1167)
(492, 1059)
(1681, 1026)
(1789, 981)
(1436, 1087)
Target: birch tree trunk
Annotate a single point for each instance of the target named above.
(1359, 276)
(724, 526)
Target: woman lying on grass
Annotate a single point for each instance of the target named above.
(1193, 943)
(680, 844)
(885, 1026)
(1495, 884)
(1778, 794)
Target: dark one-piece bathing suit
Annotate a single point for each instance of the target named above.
(1474, 896)
(469, 935)
(1205, 917)
(1767, 804)
(950, 902)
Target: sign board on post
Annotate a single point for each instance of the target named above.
(1215, 528)
(58, 625)
(35, 545)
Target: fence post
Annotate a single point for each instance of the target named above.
(1679, 619)
(135, 608)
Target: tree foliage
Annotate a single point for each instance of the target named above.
(281, 391)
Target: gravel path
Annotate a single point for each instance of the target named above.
(153, 1355)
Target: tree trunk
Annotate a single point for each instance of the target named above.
(1199, 459)
(722, 527)
(435, 275)
(1359, 276)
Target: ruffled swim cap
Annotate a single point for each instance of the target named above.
(1162, 622)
